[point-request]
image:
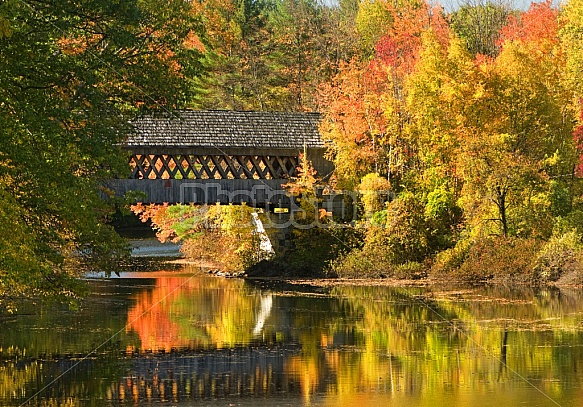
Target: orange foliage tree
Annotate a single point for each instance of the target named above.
(539, 24)
(364, 118)
(217, 236)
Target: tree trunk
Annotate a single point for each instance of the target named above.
(501, 203)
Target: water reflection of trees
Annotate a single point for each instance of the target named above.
(208, 338)
(197, 313)
(474, 339)
(395, 340)
(217, 374)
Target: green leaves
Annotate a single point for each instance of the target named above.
(72, 76)
(479, 24)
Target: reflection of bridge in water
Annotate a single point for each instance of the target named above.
(178, 377)
(259, 374)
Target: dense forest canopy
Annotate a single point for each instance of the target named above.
(471, 117)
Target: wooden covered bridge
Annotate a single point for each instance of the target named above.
(205, 157)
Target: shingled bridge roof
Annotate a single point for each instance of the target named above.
(227, 129)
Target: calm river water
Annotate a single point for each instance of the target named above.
(177, 339)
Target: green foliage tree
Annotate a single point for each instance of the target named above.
(237, 72)
(479, 23)
(72, 75)
(272, 54)
(308, 41)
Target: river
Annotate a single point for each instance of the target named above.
(178, 338)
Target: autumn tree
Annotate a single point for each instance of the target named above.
(221, 236)
(438, 98)
(236, 72)
(355, 123)
(530, 142)
(398, 46)
(374, 19)
(572, 41)
(343, 31)
(538, 25)
(570, 34)
(365, 116)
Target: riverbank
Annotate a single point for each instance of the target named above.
(175, 267)
(486, 269)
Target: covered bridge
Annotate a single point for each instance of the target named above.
(203, 156)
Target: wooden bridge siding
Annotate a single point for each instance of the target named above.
(323, 167)
(235, 189)
(316, 155)
(206, 191)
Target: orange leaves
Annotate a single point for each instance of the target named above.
(365, 114)
(152, 320)
(399, 49)
(539, 24)
(157, 214)
(354, 118)
(219, 22)
(77, 45)
(192, 41)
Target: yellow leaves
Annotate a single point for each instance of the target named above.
(502, 139)
(539, 201)
(457, 51)
(374, 190)
(553, 160)
(235, 220)
(572, 12)
(306, 180)
(373, 20)
(479, 91)
(512, 61)
(572, 43)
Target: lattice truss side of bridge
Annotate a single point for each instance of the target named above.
(190, 166)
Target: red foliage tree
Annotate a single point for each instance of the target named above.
(539, 24)
(399, 49)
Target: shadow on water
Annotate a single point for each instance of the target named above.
(177, 338)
